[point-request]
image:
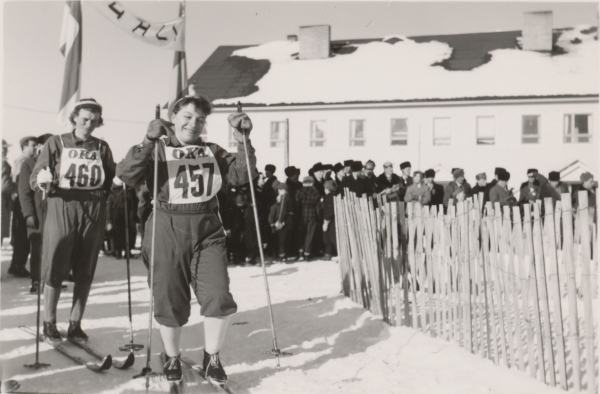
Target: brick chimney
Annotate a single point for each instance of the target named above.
(537, 31)
(314, 42)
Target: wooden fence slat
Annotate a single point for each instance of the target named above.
(412, 229)
(420, 265)
(554, 287)
(456, 329)
(466, 277)
(586, 274)
(478, 277)
(404, 259)
(543, 292)
(503, 284)
(472, 282)
(490, 314)
(428, 218)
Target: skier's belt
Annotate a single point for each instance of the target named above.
(200, 207)
(77, 194)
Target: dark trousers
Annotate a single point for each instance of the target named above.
(35, 260)
(19, 239)
(284, 235)
(307, 235)
(329, 239)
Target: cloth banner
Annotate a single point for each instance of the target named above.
(70, 47)
(166, 35)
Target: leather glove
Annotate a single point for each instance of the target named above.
(44, 177)
(31, 222)
(157, 128)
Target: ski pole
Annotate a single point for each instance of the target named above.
(37, 364)
(147, 370)
(130, 346)
(275, 351)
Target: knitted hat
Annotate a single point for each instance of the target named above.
(270, 167)
(404, 165)
(88, 103)
(586, 176)
(430, 173)
(554, 176)
(357, 166)
(481, 176)
(504, 176)
(308, 180)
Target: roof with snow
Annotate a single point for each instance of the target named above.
(398, 68)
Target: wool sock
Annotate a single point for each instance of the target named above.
(215, 329)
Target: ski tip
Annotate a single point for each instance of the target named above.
(107, 363)
(129, 361)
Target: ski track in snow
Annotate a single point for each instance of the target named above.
(336, 345)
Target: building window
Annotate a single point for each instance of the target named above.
(441, 131)
(277, 134)
(531, 129)
(232, 142)
(486, 130)
(357, 133)
(578, 128)
(399, 132)
(317, 133)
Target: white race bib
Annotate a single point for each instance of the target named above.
(80, 169)
(194, 174)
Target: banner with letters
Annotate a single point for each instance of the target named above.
(167, 35)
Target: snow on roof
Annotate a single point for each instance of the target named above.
(398, 68)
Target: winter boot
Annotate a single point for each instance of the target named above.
(51, 332)
(172, 369)
(213, 369)
(76, 333)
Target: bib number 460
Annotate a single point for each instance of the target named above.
(83, 175)
(195, 178)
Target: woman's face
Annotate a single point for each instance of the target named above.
(189, 122)
(86, 121)
(417, 178)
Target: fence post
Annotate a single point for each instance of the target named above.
(492, 337)
(586, 283)
(411, 261)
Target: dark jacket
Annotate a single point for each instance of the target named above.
(453, 189)
(394, 183)
(437, 195)
(31, 200)
(501, 195)
(327, 207)
(308, 199)
(485, 190)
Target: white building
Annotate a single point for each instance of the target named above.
(475, 101)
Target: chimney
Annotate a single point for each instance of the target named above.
(537, 31)
(292, 38)
(314, 42)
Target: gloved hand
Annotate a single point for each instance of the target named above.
(109, 227)
(325, 225)
(31, 222)
(241, 123)
(44, 177)
(157, 128)
(279, 225)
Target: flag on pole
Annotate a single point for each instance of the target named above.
(70, 47)
(179, 78)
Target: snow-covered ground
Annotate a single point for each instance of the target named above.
(337, 346)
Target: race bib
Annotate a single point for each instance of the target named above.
(194, 175)
(80, 169)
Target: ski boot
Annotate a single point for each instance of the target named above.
(172, 369)
(213, 369)
(51, 333)
(75, 332)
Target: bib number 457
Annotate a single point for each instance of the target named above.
(192, 175)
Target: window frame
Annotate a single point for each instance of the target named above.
(530, 136)
(575, 138)
(477, 138)
(282, 140)
(433, 139)
(312, 141)
(405, 134)
(352, 140)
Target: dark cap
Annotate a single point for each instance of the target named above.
(554, 176)
(25, 140)
(348, 163)
(338, 167)
(289, 171)
(504, 176)
(430, 173)
(317, 167)
(270, 167)
(357, 166)
(531, 171)
(586, 176)
(328, 167)
(481, 176)
(458, 172)
(43, 138)
(499, 170)
(404, 165)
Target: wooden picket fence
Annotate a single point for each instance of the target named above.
(517, 289)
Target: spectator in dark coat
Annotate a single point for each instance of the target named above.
(530, 190)
(307, 199)
(318, 172)
(371, 180)
(282, 219)
(459, 189)
(348, 167)
(553, 188)
(405, 180)
(269, 192)
(339, 174)
(355, 182)
(389, 182)
(587, 184)
(8, 189)
(500, 192)
(482, 187)
(294, 185)
(435, 190)
(327, 207)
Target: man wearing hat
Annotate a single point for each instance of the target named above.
(307, 199)
(482, 187)
(339, 173)
(77, 170)
(500, 193)
(389, 182)
(405, 179)
(318, 171)
(8, 189)
(530, 190)
(435, 189)
(459, 189)
(589, 185)
(282, 220)
(354, 182)
(19, 240)
(269, 192)
(554, 188)
(371, 181)
(348, 167)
